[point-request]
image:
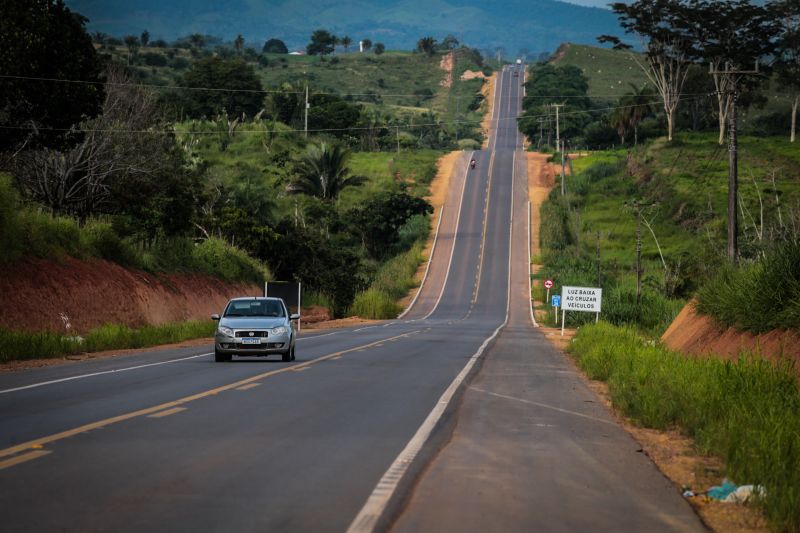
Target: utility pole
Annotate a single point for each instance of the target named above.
(598, 260)
(563, 176)
(558, 131)
(638, 208)
(734, 76)
(305, 127)
(398, 138)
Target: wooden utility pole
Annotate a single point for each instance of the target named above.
(638, 208)
(563, 175)
(305, 127)
(734, 76)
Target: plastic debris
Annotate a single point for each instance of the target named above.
(688, 494)
(721, 492)
(742, 494)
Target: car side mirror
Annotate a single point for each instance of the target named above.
(215, 317)
(295, 316)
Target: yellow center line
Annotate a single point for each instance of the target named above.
(162, 414)
(249, 386)
(300, 369)
(41, 441)
(23, 458)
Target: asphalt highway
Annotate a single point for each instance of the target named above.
(360, 433)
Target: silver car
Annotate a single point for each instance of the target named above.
(254, 327)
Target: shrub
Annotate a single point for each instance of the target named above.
(746, 411)
(772, 289)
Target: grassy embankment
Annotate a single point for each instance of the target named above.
(682, 188)
(746, 411)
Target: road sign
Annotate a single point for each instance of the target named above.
(548, 284)
(556, 300)
(586, 299)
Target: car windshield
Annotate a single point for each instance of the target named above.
(260, 308)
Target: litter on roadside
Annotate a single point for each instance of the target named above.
(727, 492)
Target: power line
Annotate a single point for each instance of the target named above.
(319, 130)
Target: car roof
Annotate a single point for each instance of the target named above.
(256, 298)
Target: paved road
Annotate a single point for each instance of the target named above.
(170, 441)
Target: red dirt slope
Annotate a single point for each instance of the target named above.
(696, 334)
(40, 294)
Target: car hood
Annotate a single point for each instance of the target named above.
(252, 323)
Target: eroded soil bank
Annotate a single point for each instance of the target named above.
(40, 295)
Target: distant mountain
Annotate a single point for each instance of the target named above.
(535, 25)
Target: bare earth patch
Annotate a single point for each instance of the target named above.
(341, 323)
(488, 92)
(677, 458)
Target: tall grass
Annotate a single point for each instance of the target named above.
(27, 230)
(392, 282)
(745, 411)
(15, 345)
(759, 296)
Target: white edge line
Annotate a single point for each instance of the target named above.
(427, 267)
(530, 270)
(367, 518)
(114, 371)
(455, 238)
(377, 501)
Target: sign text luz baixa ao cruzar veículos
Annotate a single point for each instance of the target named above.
(587, 299)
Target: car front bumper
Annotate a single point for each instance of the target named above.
(268, 345)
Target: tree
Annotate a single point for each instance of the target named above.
(379, 48)
(366, 44)
(245, 94)
(132, 43)
(124, 149)
(332, 113)
(742, 34)
(788, 65)
(661, 26)
(426, 45)
(144, 37)
(238, 44)
(44, 39)
(197, 40)
(381, 217)
(322, 43)
(323, 172)
(637, 105)
(275, 46)
(449, 43)
(346, 42)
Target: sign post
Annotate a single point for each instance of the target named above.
(548, 284)
(556, 303)
(585, 299)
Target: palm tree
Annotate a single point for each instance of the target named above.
(323, 172)
(638, 106)
(238, 44)
(346, 42)
(427, 45)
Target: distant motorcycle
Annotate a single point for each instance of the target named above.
(472, 164)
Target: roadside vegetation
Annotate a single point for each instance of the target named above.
(192, 156)
(21, 345)
(746, 411)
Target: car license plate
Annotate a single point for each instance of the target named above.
(251, 340)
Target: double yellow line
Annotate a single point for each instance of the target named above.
(34, 447)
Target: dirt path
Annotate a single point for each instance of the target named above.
(541, 180)
(487, 90)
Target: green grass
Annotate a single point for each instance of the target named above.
(27, 230)
(609, 71)
(15, 345)
(392, 282)
(771, 287)
(683, 186)
(745, 411)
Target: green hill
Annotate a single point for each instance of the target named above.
(609, 71)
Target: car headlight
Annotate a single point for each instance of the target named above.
(228, 332)
(280, 330)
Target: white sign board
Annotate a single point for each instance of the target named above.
(586, 299)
